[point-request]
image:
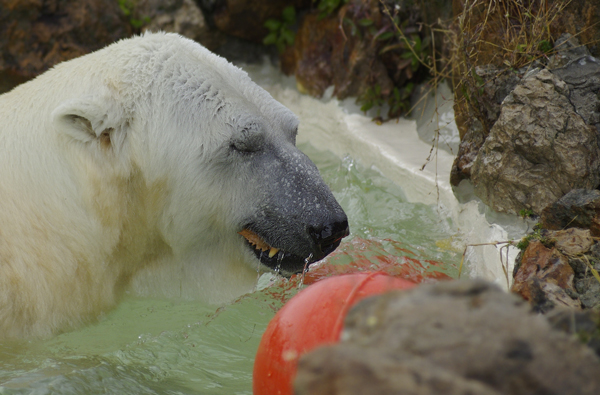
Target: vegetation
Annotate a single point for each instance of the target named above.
(526, 213)
(510, 35)
(535, 235)
(328, 7)
(393, 28)
(280, 31)
(403, 39)
(128, 7)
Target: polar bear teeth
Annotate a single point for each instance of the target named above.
(257, 242)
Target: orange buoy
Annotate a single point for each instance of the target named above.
(312, 318)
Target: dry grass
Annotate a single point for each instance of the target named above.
(508, 34)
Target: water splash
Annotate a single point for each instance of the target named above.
(306, 263)
(280, 256)
(258, 269)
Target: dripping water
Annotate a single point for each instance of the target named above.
(280, 256)
(258, 268)
(306, 262)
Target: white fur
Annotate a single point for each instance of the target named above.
(112, 178)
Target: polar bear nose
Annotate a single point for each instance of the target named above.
(328, 236)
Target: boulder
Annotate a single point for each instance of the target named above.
(459, 337)
(332, 50)
(474, 122)
(35, 35)
(567, 48)
(559, 268)
(580, 208)
(544, 278)
(177, 16)
(538, 150)
(582, 76)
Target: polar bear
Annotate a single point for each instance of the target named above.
(155, 166)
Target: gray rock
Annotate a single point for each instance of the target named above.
(357, 370)
(497, 84)
(589, 294)
(580, 208)
(538, 150)
(567, 49)
(583, 79)
(454, 337)
(176, 16)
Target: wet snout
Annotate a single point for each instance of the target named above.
(298, 220)
(328, 235)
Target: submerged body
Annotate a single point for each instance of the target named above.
(150, 165)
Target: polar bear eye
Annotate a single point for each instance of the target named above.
(245, 146)
(240, 146)
(247, 143)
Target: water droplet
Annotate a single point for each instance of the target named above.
(305, 270)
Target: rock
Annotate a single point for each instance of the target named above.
(589, 291)
(572, 242)
(545, 278)
(358, 370)
(538, 150)
(484, 27)
(583, 79)
(310, 58)
(474, 123)
(580, 208)
(468, 148)
(327, 52)
(580, 18)
(177, 16)
(357, 50)
(567, 49)
(459, 337)
(583, 324)
(36, 34)
(561, 272)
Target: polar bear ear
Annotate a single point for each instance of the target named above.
(92, 119)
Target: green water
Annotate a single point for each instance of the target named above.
(149, 346)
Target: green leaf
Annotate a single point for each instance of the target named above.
(414, 63)
(365, 22)
(385, 36)
(126, 11)
(272, 24)
(366, 107)
(287, 36)
(270, 39)
(545, 46)
(136, 23)
(416, 44)
(289, 15)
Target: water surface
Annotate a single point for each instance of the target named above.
(149, 346)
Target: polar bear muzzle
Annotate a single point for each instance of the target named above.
(296, 220)
(326, 238)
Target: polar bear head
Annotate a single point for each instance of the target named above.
(151, 165)
(219, 147)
